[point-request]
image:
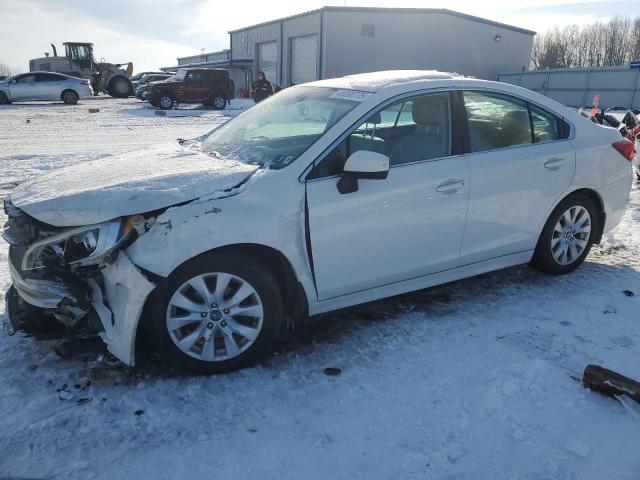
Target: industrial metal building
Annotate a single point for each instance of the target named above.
(337, 41)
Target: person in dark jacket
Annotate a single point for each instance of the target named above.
(262, 88)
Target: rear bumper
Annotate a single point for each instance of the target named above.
(616, 197)
(85, 91)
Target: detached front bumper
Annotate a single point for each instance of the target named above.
(40, 293)
(116, 295)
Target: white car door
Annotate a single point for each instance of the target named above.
(24, 87)
(515, 177)
(405, 226)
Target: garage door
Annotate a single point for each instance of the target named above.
(268, 60)
(304, 59)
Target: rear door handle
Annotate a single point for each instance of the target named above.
(450, 186)
(554, 163)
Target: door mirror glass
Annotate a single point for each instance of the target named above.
(362, 164)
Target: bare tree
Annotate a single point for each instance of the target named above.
(5, 70)
(634, 40)
(599, 44)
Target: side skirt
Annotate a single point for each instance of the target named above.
(419, 283)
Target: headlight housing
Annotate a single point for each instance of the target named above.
(80, 246)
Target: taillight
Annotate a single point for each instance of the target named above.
(626, 148)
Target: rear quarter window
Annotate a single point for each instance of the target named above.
(217, 76)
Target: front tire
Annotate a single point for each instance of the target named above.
(221, 313)
(120, 87)
(70, 97)
(165, 101)
(567, 236)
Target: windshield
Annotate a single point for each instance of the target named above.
(276, 131)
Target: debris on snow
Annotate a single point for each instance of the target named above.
(610, 383)
(577, 448)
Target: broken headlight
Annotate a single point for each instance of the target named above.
(80, 246)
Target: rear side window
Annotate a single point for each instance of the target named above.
(547, 127)
(217, 75)
(496, 121)
(49, 77)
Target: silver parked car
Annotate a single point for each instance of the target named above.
(44, 86)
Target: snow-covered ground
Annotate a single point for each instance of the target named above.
(473, 380)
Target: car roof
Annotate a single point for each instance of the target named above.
(43, 71)
(204, 69)
(376, 81)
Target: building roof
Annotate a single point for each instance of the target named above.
(375, 81)
(444, 11)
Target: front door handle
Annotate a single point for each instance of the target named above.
(554, 163)
(450, 186)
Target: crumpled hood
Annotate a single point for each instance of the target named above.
(135, 182)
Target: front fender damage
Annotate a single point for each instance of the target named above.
(119, 306)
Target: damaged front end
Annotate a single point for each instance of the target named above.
(80, 277)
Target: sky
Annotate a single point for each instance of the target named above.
(153, 33)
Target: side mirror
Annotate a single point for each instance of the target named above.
(362, 164)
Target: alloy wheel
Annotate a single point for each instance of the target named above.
(571, 235)
(165, 102)
(214, 316)
(219, 102)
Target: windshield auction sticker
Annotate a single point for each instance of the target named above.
(353, 95)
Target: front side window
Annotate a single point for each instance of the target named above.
(496, 121)
(407, 131)
(275, 132)
(180, 74)
(195, 76)
(26, 79)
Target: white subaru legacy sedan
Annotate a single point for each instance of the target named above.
(326, 195)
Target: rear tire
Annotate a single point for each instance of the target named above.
(4, 99)
(120, 87)
(218, 102)
(567, 236)
(70, 97)
(213, 339)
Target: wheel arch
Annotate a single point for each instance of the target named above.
(595, 197)
(293, 294)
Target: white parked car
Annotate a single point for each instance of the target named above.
(44, 86)
(326, 195)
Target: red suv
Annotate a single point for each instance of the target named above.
(209, 86)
